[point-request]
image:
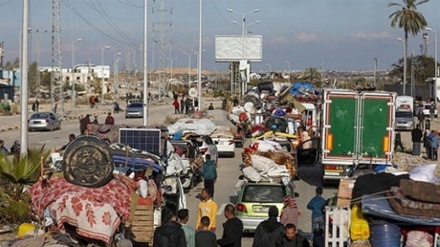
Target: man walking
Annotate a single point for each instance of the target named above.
(421, 118)
(170, 233)
(209, 174)
(416, 137)
(398, 141)
(183, 215)
(270, 231)
(182, 105)
(316, 204)
(232, 229)
(207, 207)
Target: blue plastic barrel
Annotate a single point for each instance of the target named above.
(385, 235)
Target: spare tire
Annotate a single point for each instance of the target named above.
(88, 162)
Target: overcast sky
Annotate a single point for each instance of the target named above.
(335, 34)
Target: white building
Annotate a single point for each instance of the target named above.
(83, 73)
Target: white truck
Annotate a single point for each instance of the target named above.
(405, 102)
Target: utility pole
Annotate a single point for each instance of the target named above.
(24, 80)
(375, 72)
(56, 55)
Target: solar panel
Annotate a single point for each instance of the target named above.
(143, 139)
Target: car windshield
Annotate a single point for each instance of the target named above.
(427, 107)
(404, 114)
(40, 115)
(272, 194)
(135, 105)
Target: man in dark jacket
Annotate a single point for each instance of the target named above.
(232, 229)
(170, 233)
(209, 174)
(83, 123)
(270, 231)
(416, 137)
(291, 239)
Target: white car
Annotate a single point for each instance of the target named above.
(426, 108)
(223, 138)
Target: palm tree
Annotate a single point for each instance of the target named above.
(411, 21)
(15, 175)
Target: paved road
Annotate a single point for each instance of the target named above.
(228, 168)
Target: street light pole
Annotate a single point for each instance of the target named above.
(116, 71)
(288, 63)
(199, 60)
(102, 72)
(404, 64)
(73, 71)
(145, 63)
(24, 80)
(436, 66)
(189, 66)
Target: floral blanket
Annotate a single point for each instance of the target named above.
(94, 211)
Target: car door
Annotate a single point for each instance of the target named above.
(55, 121)
(310, 156)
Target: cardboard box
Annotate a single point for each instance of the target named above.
(345, 188)
(343, 202)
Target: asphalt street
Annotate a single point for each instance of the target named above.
(228, 168)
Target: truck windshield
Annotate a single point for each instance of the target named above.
(404, 114)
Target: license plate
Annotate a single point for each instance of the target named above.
(36, 122)
(259, 209)
(332, 173)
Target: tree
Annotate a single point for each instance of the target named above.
(16, 174)
(411, 21)
(312, 75)
(422, 65)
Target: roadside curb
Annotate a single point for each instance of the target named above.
(4, 128)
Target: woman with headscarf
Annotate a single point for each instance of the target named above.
(306, 144)
(290, 212)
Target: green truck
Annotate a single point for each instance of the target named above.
(357, 128)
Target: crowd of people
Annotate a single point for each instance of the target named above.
(184, 105)
(422, 134)
(175, 231)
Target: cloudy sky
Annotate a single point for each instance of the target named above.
(334, 34)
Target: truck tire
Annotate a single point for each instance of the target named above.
(87, 162)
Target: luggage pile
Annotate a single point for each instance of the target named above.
(266, 160)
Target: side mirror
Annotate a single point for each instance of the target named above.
(167, 188)
(241, 177)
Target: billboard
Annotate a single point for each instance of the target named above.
(235, 48)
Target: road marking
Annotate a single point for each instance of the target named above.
(221, 209)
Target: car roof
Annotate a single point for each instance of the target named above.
(43, 113)
(132, 105)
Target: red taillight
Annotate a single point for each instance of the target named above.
(203, 150)
(241, 208)
(331, 167)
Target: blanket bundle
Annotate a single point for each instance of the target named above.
(415, 198)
